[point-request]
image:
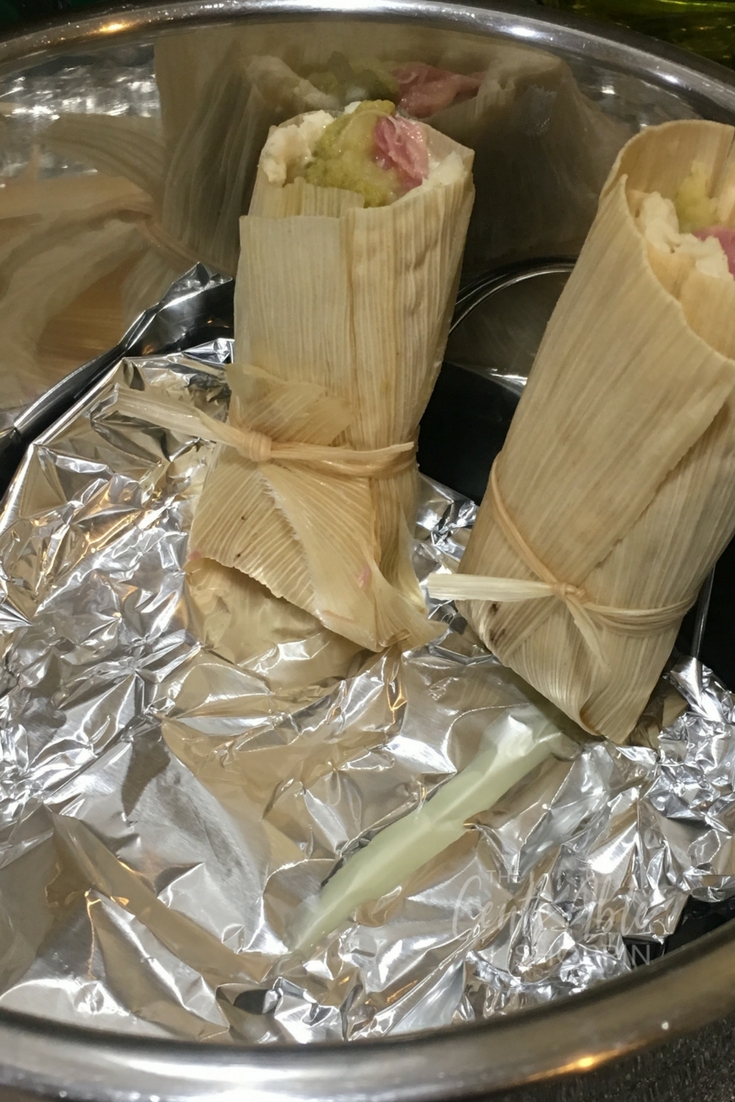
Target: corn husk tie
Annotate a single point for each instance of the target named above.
(585, 612)
(257, 447)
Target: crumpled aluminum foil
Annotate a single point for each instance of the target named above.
(185, 759)
(198, 304)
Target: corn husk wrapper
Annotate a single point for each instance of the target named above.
(619, 466)
(344, 312)
(285, 647)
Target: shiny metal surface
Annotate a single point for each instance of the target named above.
(693, 78)
(498, 323)
(481, 289)
(657, 1004)
(663, 1001)
(163, 328)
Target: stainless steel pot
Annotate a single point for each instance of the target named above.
(665, 1031)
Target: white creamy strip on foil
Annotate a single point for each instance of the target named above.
(164, 811)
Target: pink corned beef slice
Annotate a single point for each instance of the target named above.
(400, 144)
(426, 90)
(726, 237)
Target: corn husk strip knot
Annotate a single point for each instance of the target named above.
(259, 448)
(587, 614)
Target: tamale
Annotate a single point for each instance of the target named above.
(614, 493)
(341, 316)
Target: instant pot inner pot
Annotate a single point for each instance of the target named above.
(126, 120)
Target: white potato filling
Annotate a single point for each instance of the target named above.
(288, 149)
(659, 224)
(442, 173)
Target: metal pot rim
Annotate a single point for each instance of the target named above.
(621, 49)
(664, 1000)
(675, 995)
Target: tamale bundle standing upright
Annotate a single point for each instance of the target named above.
(615, 491)
(341, 315)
